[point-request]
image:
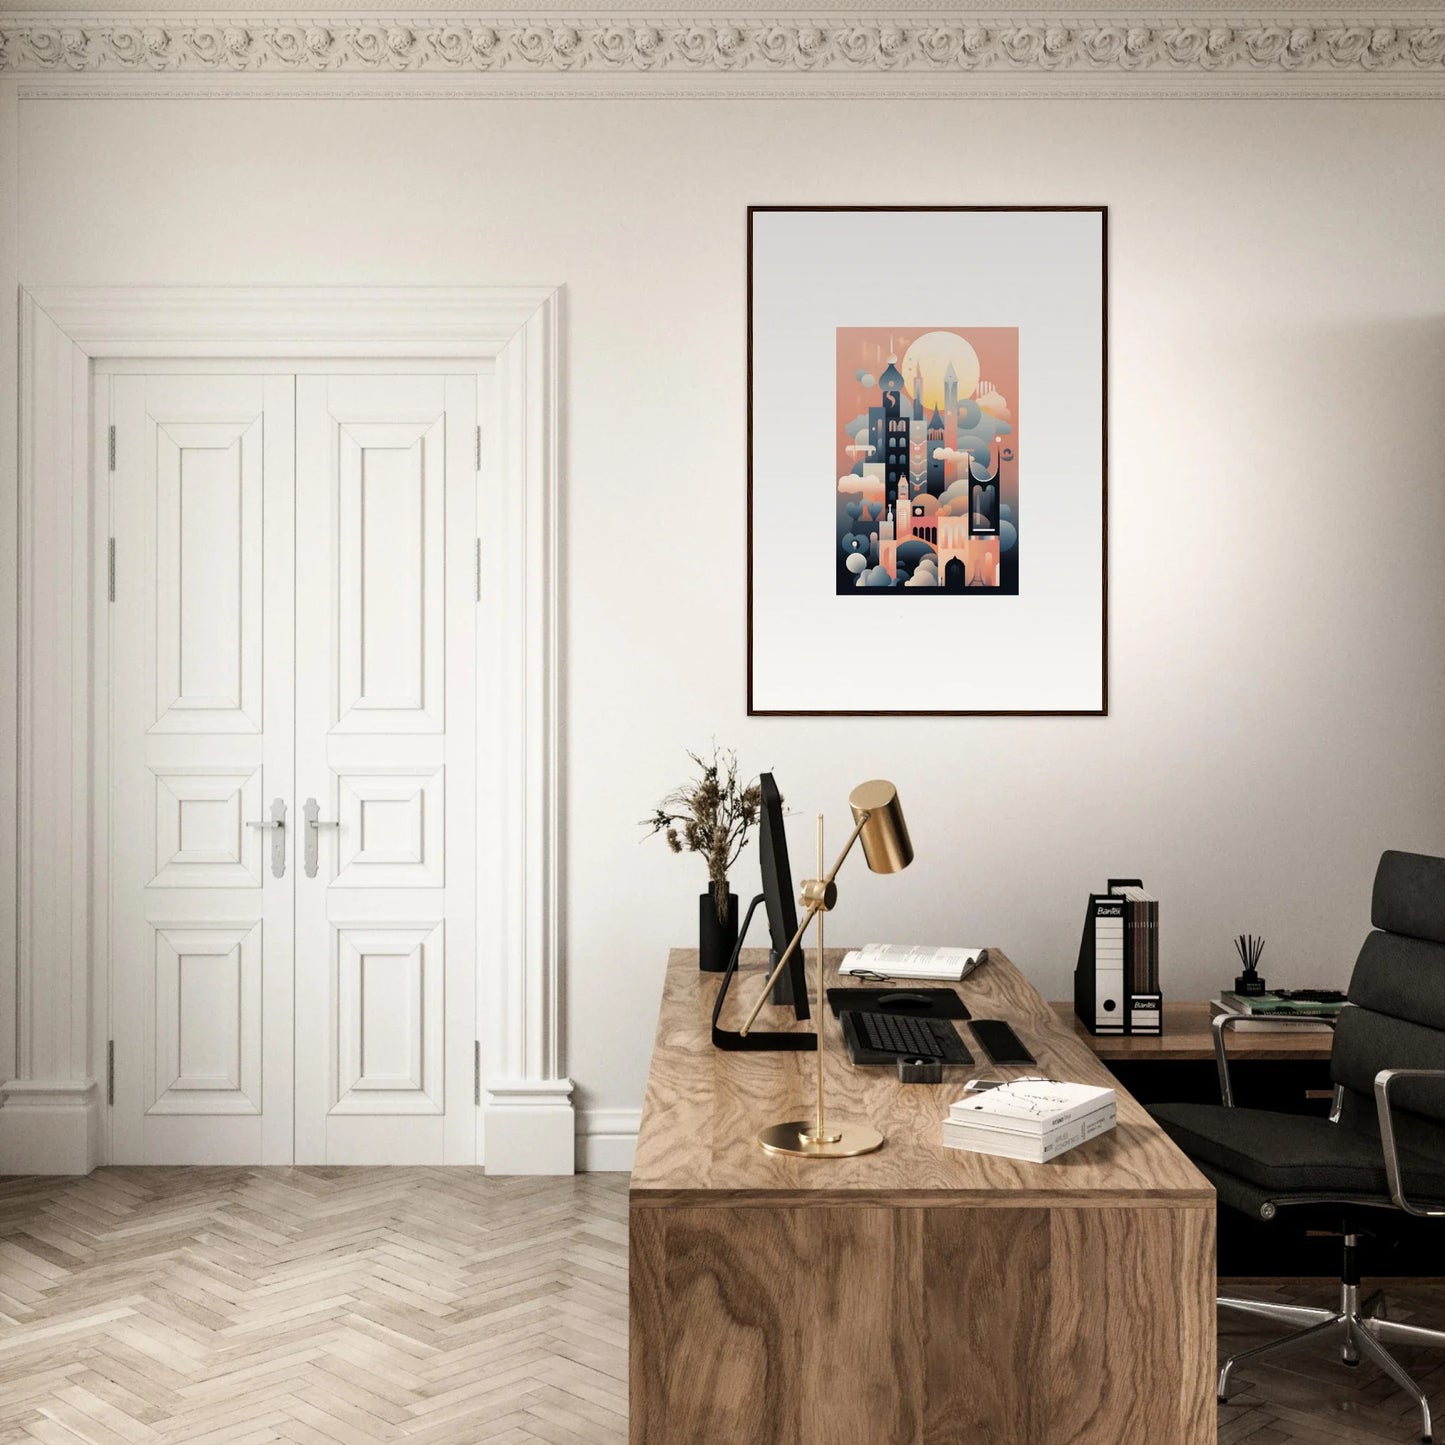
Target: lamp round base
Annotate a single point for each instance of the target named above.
(793, 1137)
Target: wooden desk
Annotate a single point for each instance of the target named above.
(918, 1294)
(1187, 1037)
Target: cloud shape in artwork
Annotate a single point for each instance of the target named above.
(993, 403)
(975, 444)
(954, 501)
(925, 574)
(974, 453)
(1007, 536)
(869, 488)
(986, 430)
(875, 577)
(865, 378)
(855, 562)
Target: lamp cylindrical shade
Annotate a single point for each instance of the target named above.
(885, 840)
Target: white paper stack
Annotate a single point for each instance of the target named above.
(906, 960)
(1033, 1119)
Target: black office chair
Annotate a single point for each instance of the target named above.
(1381, 1151)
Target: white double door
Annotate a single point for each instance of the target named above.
(292, 812)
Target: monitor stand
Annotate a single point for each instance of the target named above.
(756, 1040)
(783, 991)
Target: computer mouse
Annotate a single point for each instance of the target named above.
(903, 1000)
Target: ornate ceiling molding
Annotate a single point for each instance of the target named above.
(1409, 50)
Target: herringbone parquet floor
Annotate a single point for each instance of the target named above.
(436, 1306)
(320, 1306)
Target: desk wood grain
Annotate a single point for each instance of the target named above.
(919, 1295)
(703, 1108)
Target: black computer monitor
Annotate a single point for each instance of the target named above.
(791, 987)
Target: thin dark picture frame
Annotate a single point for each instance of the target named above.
(1103, 709)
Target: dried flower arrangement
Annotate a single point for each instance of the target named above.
(712, 815)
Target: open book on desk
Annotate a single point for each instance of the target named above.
(906, 960)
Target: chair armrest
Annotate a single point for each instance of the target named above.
(1222, 1023)
(1383, 1080)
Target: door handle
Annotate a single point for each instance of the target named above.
(276, 822)
(314, 824)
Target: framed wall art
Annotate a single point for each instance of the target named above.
(927, 470)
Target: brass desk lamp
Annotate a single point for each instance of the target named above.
(878, 824)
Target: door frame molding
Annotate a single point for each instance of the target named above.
(52, 1096)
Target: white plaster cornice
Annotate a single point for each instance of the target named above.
(454, 52)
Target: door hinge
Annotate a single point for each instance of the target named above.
(477, 1072)
(110, 1072)
(111, 448)
(110, 570)
(478, 569)
(478, 451)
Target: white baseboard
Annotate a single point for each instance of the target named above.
(530, 1127)
(49, 1126)
(54, 1128)
(607, 1139)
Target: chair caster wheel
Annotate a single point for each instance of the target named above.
(1353, 1364)
(1221, 1400)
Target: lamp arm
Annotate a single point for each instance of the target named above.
(788, 952)
(814, 909)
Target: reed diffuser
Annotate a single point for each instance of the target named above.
(1249, 948)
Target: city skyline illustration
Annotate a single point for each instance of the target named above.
(927, 497)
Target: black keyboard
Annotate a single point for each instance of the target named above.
(901, 1037)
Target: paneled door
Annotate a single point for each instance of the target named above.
(292, 782)
(201, 769)
(385, 705)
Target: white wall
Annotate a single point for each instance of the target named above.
(1277, 499)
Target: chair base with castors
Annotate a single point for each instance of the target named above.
(1360, 1328)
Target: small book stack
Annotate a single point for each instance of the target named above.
(1263, 1012)
(1032, 1119)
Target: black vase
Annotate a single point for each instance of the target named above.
(716, 938)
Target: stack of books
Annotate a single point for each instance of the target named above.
(1260, 1012)
(1032, 1119)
